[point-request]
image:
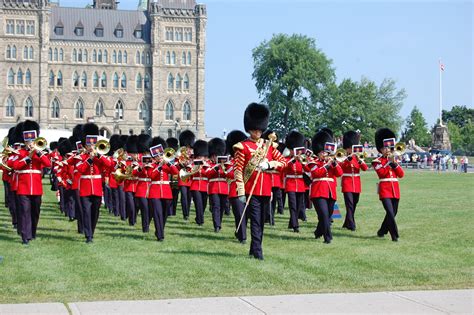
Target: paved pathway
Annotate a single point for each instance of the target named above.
(402, 302)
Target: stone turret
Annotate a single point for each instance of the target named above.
(105, 4)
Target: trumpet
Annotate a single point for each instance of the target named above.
(169, 155)
(102, 147)
(121, 176)
(361, 155)
(39, 144)
(339, 156)
(398, 150)
(185, 175)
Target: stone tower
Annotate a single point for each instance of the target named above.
(105, 4)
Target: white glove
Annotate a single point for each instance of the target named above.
(243, 199)
(264, 165)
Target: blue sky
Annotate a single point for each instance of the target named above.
(402, 40)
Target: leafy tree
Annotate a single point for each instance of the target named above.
(291, 74)
(467, 134)
(459, 115)
(416, 128)
(455, 136)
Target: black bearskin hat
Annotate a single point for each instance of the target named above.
(349, 139)
(216, 147)
(123, 140)
(268, 132)
(172, 143)
(53, 145)
(31, 125)
(256, 117)
(380, 135)
(318, 141)
(157, 141)
(328, 131)
(18, 134)
(234, 137)
(143, 144)
(200, 148)
(77, 132)
(65, 147)
(115, 143)
(89, 129)
(187, 138)
(61, 139)
(131, 145)
(294, 139)
(11, 136)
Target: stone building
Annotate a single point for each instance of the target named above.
(128, 71)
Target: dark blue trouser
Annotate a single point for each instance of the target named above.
(217, 208)
(238, 209)
(256, 211)
(389, 225)
(159, 209)
(295, 203)
(323, 209)
(350, 200)
(200, 201)
(91, 209)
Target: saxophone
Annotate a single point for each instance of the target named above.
(257, 157)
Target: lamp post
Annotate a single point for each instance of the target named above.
(65, 119)
(176, 127)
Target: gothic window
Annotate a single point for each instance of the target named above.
(51, 78)
(55, 108)
(143, 111)
(94, 55)
(50, 54)
(189, 58)
(114, 57)
(99, 31)
(187, 111)
(19, 77)
(31, 53)
(59, 30)
(147, 81)
(143, 57)
(168, 58)
(20, 27)
(119, 60)
(29, 107)
(30, 27)
(103, 80)
(75, 79)
(60, 79)
(178, 82)
(99, 108)
(79, 109)
(116, 80)
(79, 55)
(25, 53)
(10, 107)
(85, 56)
(169, 33)
(9, 52)
(139, 84)
(170, 133)
(125, 57)
(84, 79)
(137, 58)
(148, 58)
(28, 77)
(119, 33)
(56, 54)
(10, 27)
(99, 56)
(74, 55)
(173, 58)
(13, 52)
(11, 77)
(123, 81)
(183, 58)
(169, 111)
(106, 56)
(119, 110)
(170, 82)
(95, 80)
(186, 82)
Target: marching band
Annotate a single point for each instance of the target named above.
(140, 174)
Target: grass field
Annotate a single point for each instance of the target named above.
(435, 251)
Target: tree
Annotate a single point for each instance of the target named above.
(459, 115)
(467, 134)
(455, 136)
(291, 74)
(416, 128)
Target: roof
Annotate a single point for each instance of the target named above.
(177, 4)
(90, 18)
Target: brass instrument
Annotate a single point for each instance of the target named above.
(102, 147)
(169, 155)
(120, 154)
(361, 155)
(5, 152)
(398, 150)
(339, 156)
(185, 176)
(257, 157)
(120, 176)
(39, 144)
(184, 155)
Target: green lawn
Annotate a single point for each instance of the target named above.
(434, 252)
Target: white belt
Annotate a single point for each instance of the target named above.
(199, 178)
(144, 179)
(323, 179)
(91, 177)
(389, 180)
(273, 172)
(161, 182)
(217, 180)
(350, 175)
(294, 176)
(132, 178)
(29, 172)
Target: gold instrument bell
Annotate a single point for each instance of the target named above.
(102, 146)
(399, 149)
(40, 144)
(340, 155)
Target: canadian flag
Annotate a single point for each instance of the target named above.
(441, 66)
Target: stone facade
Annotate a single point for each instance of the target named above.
(441, 138)
(128, 71)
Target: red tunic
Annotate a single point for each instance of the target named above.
(293, 173)
(231, 178)
(160, 187)
(217, 180)
(90, 183)
(350, 181)
(199, 181)
(388, 186)
(324, 180)
(143, 181)
(30, 173)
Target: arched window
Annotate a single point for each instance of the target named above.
(95, 80)
(170, 82)
(28, 77)
(116, 81)
(75, 79)
(19, 77)
(79, 109)
(29, 107)
(119, 110)
(56, 54)
(99, 108)
(189, 58)
(9, 52)
(168, 58)
(51, 78)
(25, 53)
(55, 108)
(173, 58)
(11, 77)
(137, 58)
(186, 82)
(143, 111)
(183, 58)
(85, 56)
(148, 58)
(74, 55)
(114, 57)
(61, 54)
(123, 81)
(50, 54)
(31, 54)
(103, 80)
(94, 55)
(187, 111)
(143, 57)
(147, 81)
(79, 55)
(169, 111)
(170, 133)
(179, 79)
(14, 52)
(84, 79)
(138, 80)
(59, 80)
(125, 57)
(119, 60)
(10, 107)
(106, 56)
(99, 56)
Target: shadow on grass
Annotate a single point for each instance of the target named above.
(336, 233)
(200, 253)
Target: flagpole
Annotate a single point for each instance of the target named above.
(440, 93)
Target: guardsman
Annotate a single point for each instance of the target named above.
(90, 183)
(388, 171)
(65, 177)
(276, 176)
(115, 145)
(13, 198)
(130, 184)
(324, 171)
(7, 174)
(186, 142)
(293, 172)
(237, 205)
(173, 143)
(350, 182)
(73, 161)
(253, 157)
(218, 187)
(143, 181)
(199, 180)
(29, 167)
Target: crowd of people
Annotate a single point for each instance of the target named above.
(436, 161)
(251, 174)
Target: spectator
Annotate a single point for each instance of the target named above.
(455, 163)
(425, 161)
(449, 162)
(465, 163)
(443, 163)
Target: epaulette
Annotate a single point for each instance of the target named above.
(275, 145)
(238, 146)
(376, 161)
